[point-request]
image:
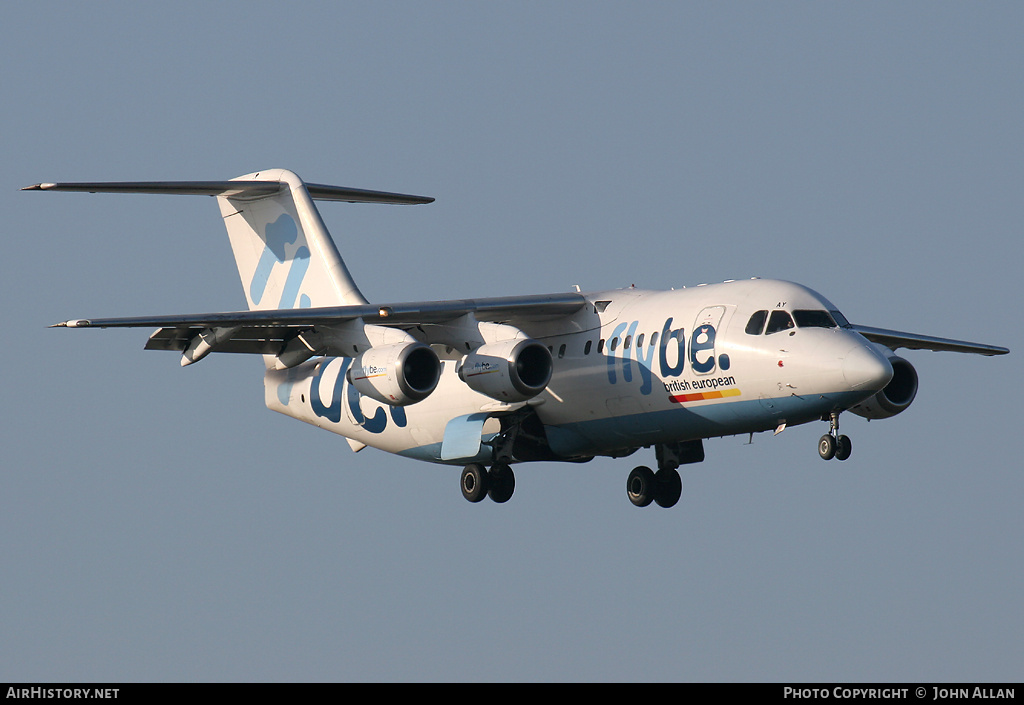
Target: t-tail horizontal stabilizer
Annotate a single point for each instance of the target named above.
(287, 261)
(241, 189)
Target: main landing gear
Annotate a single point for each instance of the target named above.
(832, 445)
(498, 484)
(664, 487)
(644, 486)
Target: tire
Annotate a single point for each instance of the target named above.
(474, 482)
(827, 447)
(640, 486)
(502, 483)
(844, 447)
(668, 487)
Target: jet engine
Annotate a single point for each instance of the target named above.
(895, 397)
(398, 374)
(508, 370)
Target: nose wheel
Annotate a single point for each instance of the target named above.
(833, 445)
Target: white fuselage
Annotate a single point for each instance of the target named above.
(635, 368)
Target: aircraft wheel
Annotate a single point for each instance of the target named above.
(640, 486)
(503, 483)
(843, 447)
(474, 482)
(668, 487)
(827, 447)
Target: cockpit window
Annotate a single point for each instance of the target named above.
(841, 319)
(756, 323)
(780, 320)
(814, 319)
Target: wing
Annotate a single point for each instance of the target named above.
(894, 339)
(268, 332)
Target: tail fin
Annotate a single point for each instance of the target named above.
(284, 254)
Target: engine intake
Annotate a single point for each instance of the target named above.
(398, 374)
(895, 397)
(509, 370)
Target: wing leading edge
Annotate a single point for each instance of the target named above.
(894, 339)
(266, 332)
(262, 332)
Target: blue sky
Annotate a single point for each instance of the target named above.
(159, 524)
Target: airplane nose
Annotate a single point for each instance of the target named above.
(864, 368)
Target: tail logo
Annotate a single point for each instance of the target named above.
(277, 236)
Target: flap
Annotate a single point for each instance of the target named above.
(462, 437)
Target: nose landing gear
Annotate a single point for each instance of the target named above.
(832, 445)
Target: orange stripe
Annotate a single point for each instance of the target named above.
(704, 396)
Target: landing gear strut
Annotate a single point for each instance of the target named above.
(832, 445)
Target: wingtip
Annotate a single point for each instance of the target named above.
(75, 323)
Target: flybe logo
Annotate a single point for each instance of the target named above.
(673, 348)
(480, 368)
(343, 392)
(368, 371)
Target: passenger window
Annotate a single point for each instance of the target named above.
(614, 344)
(640, 340)
(756, 323)
(780, 320)
(625, 345)
(600, 346)
(561, 351)
(586, 348)
(654, 338)
(813, 319)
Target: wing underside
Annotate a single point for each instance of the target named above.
(267, 340)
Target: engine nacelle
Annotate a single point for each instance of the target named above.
(398, 374)
(509, 370)
(896, 396)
